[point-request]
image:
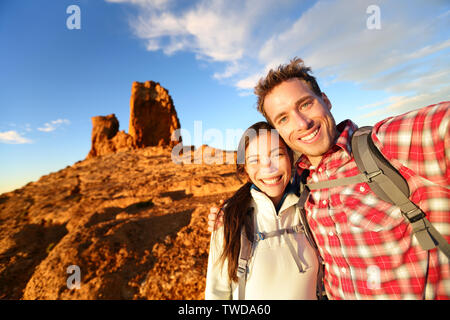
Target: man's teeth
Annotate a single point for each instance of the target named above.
(271, 181)
(310, 136)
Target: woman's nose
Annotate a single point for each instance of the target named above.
(269, 164)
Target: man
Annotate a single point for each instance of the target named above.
(368, 248)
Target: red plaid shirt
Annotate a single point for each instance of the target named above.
(367, 246)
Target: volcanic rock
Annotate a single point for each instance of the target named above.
(106, 137)
(153, 118)
(133, 222)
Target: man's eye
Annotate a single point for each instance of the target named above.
(305, 105)
(252, 161)
(282, 120)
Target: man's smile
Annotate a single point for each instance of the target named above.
(311, 137)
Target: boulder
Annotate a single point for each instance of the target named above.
(106, 137)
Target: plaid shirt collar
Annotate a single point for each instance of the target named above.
(345, 131)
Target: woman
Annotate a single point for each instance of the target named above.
(281, 263)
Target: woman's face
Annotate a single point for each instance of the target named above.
(268, 165)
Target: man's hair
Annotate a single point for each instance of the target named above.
(294, 69)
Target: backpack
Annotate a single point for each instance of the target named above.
(388, 184)
(248, 242)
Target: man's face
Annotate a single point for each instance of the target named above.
(302, 118)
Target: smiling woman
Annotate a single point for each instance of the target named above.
(264, 206)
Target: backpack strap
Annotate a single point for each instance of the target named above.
(304, 193)
(391, 187)
(285, 233)
(244, 256)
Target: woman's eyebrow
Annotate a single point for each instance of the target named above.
(276, 148)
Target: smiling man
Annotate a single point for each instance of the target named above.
(302, 118)
(368, 248)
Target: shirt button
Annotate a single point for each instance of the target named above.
(320, 169)
(343, 270)
(362, 189)
(331, 233)
(324, 202)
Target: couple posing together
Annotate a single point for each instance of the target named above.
(319, 228)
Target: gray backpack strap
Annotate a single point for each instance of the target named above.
(391, 187)
(304, 193)
(285, 233)
(244, 257)
(245, 254)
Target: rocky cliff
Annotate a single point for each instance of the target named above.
(134, 223)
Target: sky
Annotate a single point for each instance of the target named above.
(60, 66)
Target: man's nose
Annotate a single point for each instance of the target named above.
(301, 121)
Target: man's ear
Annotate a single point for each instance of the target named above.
(326, 100)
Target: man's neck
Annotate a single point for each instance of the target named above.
(314, 160)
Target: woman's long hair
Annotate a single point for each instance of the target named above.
(236, 209)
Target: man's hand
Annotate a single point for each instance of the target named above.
(215, 217)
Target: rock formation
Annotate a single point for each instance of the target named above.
(106, 137)
(153, 118)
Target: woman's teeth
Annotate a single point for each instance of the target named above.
(310, 136)
(271, 181)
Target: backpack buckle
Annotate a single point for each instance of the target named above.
(298, 228)
(414, 215)
(260, 236)
(242, 268)
(371, 175)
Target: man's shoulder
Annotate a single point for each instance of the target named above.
(434, 112)
(407, 137)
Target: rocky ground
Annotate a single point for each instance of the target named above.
(134, 222)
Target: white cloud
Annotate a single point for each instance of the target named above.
(158, 4)
(53, 125)
(13, 137)
(400, 104)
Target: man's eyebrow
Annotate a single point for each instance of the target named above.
(252, 155)
(302, 100)
(279, 116)
(297, 104)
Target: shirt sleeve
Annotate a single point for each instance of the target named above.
(218, 286)
(418, 140)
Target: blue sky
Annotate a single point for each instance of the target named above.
(209, 55)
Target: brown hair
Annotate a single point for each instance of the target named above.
(294, 69)
(236, 209)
